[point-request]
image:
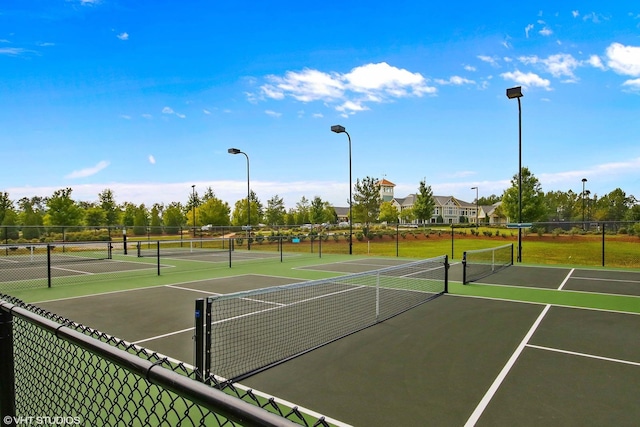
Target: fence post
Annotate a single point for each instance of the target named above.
(158, 255)
(603, 227)
(49, 265)
(7, 375)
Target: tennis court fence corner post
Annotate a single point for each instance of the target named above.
(7, 367)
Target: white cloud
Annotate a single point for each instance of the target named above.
(527, 79)
(272, 113)
(308, 85)
(575, 13)
(455, 80)
(469, 68)
(633, 85)
(152, 159)
(595, 61)
(527, 29)
(123, 36)
(317, 115)
(545, 32)
(83, 173)
(13, 51)
(624, 59)
(370, 83)
(125, 116)
(558, 65)
(169, 111)
(147, 116)
(205, 111)
(593, 17)
(488, 59)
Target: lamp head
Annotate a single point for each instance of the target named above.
(338, 129)
(233, 151)
(514, 92)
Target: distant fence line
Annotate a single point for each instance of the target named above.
(55, 371)
(28, 265)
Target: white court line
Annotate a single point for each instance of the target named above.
(73, 271)
(477, 413)
(566, 279)
(598, 279)
(191, 290)
(163, 335)
(591, 356)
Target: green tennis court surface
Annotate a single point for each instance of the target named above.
(512, 348)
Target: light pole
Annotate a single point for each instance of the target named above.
(193, 206)
(584, 180)
(476, 188)
(516, 92)
(237, 151)
(341, 129)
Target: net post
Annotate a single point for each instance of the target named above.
(281, 247)
(464, 265)
(320, 245)
(230, 249)
(158, 255)
(7, 367)
(139, 248)
(207, 341)
(512, 254)
(48, 265)
(377, 297)
(446, 274)
(199, 339)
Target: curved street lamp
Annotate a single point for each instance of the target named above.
(193, 206)
(237, 151)
(584, 180)
(476, 188)
(341, 129)
(516, 92)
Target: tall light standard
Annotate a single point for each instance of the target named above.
(193, 206)
(341, 129)
(516, 92)
(237, 151)
(584, 180)
(476, 188)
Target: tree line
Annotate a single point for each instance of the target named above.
(60, 209)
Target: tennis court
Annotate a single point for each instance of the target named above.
(454, 360)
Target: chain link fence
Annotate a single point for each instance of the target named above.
(55, 371)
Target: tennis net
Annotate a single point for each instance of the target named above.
(29, 255)
(254, 330)
(183, 248)
(483, 262)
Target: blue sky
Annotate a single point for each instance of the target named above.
(146, 97)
